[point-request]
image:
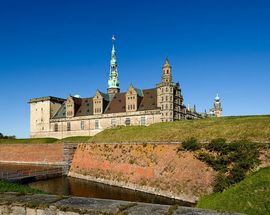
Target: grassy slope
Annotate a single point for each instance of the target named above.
(12, 187)
(253, 128)
(32, 140)
(251, 196)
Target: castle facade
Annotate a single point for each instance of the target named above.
(75, 116)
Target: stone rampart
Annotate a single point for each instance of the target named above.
(162, 169)
(45, 154)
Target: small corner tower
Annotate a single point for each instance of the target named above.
(167, 72)
(113, 82)
(217, 110)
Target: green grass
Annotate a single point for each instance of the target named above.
(250, 196)
(13, 187)
(75, 139)
(252, 128)
(29, 140)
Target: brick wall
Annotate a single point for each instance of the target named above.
(32, 153)
(159, 168)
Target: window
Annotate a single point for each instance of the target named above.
(68, 126)
(55, 127)
(143, 120)
(96, 124)
(82, 125)
(127, 122)
(113, 122)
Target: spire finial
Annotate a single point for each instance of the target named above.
(167, 60)
(113, 38)
(113, 82)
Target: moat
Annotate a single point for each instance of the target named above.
(82, 188)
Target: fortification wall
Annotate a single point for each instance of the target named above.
(32, 153)
(162, 169)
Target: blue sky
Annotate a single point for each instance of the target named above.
(59, 48)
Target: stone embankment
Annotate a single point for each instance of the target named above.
(18, 204)
(161, 169)
(39, 154)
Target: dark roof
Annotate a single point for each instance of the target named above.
(47, 98)
(86, 107)
(61, 113)
(117, 105)
(149, 100)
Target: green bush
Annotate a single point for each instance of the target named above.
(218, 145)
(191, 144)
(221, 182)
(232, 161)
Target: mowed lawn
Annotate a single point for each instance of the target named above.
(250, 196)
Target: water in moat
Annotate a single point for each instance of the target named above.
(83, 188)
(78, 187)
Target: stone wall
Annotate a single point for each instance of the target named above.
(51, 154)
(17, 204)
(162, 169)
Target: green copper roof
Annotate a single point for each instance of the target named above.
(113, 81)
(217, 97)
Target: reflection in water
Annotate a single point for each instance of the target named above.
(84, 188)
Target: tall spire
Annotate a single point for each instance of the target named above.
(113, 82)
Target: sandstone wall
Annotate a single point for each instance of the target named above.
(162, 169)
(32, 153)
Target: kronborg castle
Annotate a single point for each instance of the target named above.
(75, 116)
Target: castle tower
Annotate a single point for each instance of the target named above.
(217, 110)
(113, 82)
(167, 72)
(165, 92)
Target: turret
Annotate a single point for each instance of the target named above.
(113, 82)
(217, 110)
(167, 72)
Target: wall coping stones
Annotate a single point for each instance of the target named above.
(14, 203)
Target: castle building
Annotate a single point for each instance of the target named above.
(75, 116)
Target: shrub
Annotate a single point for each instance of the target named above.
(191, 145)
(232, 160)
(221, 182)
(218, 145)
